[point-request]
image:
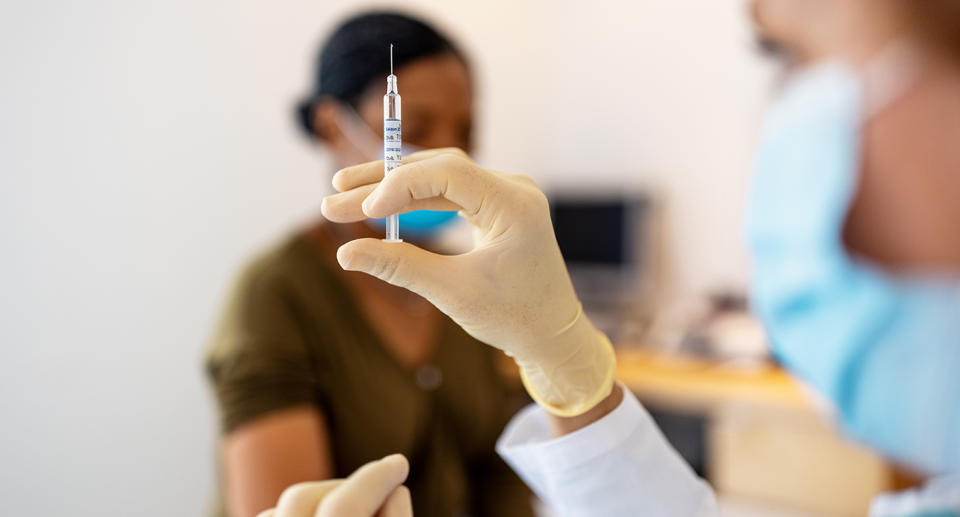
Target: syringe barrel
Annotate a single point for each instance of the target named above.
(392, 141)
(392, 138)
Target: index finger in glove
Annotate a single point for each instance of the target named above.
(371, 172)
(444, 175)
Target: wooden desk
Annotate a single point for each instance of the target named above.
(694, 384)
(767, 439)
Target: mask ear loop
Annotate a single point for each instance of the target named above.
(889, 75)
(361, 137)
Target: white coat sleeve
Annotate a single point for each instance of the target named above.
(620, 465)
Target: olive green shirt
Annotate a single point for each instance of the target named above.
(293, 335)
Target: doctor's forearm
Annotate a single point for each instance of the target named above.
(560, 426)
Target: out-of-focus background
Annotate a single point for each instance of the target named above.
(148, 148)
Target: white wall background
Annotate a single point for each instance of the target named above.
(147, 148)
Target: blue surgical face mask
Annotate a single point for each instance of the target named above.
(418, 224)
(884, 349)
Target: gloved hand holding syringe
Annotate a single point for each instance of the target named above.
(511, 291)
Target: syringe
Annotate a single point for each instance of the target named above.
(391, 142)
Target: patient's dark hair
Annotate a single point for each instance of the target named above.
(357, 53)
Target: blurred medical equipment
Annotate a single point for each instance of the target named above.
(392, 141)
(605, 239)
(720, 327)
(602, 237)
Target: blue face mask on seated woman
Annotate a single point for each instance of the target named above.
(418, 224)
(884, 349)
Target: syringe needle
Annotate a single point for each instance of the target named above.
(391, 59)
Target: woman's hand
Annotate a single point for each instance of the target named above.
(512, 291)
(374, 490)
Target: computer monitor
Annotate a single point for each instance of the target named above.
(604, 241)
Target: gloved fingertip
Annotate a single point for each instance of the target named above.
(325, 207)
(368, 204)
(347, 257)
(337, 181)
(398, 461)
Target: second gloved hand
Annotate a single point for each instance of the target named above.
(512, 291)
(374, 490)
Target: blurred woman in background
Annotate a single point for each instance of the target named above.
(318, 371)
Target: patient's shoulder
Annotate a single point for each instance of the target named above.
(294, 266)
(269, 296)
(280, 263)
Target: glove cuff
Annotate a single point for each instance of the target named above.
(579, 379)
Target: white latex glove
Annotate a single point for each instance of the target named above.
(512, 291)
(374, 490)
